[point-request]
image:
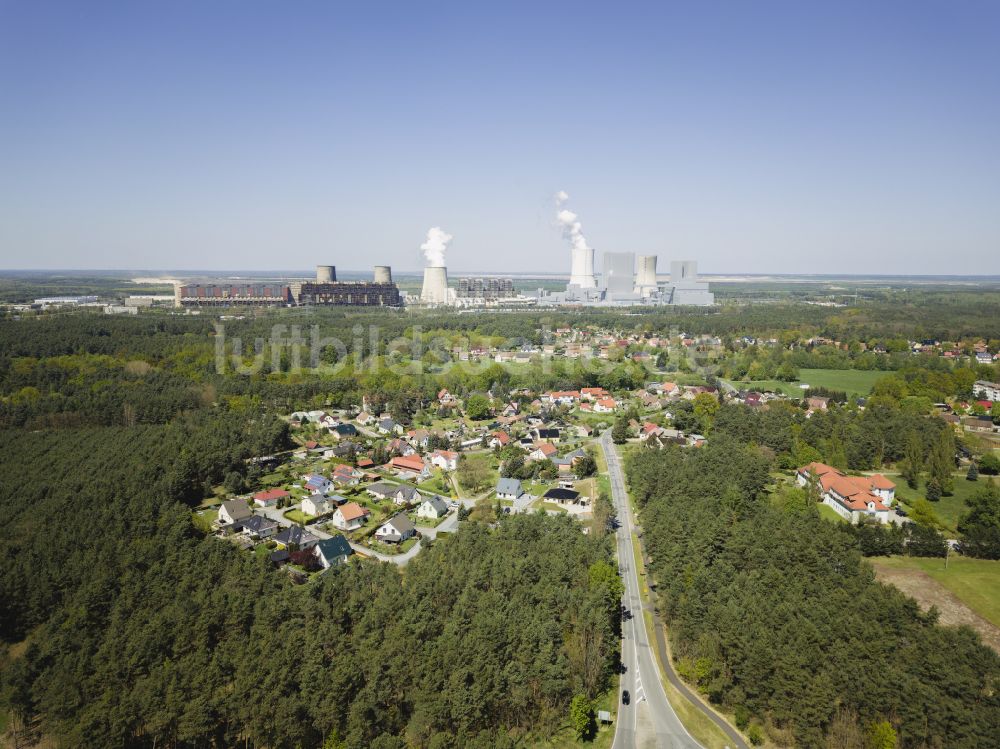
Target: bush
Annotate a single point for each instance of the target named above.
(742, 717)
(755, 734)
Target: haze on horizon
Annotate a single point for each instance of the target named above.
(772, 137)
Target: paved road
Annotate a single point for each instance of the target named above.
(648, 720)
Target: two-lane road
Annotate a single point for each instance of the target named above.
(648, 720)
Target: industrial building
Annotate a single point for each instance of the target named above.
(487, 289)
(326, 290)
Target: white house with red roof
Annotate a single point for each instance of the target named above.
(446, 459)
(270, 497)
(593, 394)
(543, 451)
(605, 405)
(562, 397)
(851, 497)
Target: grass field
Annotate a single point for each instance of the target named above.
(976, 582)
(850, 381)
(948, 509)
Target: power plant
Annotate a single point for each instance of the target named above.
(326, 290)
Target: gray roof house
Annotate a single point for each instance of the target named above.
(233, 511)
(432, 508)
(509, 489)
(258, 525)
(395, 530)
(398, 493)
(297, 535)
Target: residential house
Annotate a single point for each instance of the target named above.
(270, 497)
(817, 403)
(315, 505)
(498, 439)
(233, 511)
(387, 425)
(593, 394)
(345, 475)
(344, 431)
(395, 530)
(851, 497)
(445, 459)
(550, 434)
(562, 397)
(296, 535)
(401, 495)
(508, 488)
(419, 438)
(562, 496)
(543, 451)
(447, 399)
(365, 419)
(258, 526)
(605, 405)
(409, 465)
(350, 516)
(400, 446)
(316, 484)
(332, 551)
(432, 508)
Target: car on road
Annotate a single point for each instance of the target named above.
(626, 697)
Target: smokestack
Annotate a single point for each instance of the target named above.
(645, 279)
(581, 271)
(435, 289)
(383, 274)
(326, 274)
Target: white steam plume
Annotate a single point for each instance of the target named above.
(435, 246)
(571, 227)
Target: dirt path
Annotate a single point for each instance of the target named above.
(927, 591)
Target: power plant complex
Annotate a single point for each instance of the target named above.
(625, 280)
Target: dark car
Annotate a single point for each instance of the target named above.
(901, 512)
(626, 698)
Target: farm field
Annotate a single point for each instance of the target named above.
(850, 381)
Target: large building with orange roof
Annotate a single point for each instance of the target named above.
(851, 497)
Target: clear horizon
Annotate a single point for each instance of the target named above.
(776, 139)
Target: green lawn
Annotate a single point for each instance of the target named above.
(297, 516)
(948, 509)
(850, 381)
(975, 581)
(203, 519)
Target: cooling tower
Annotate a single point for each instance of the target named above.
(435, 289)
(683, 272)
(326, 274)
(383, 274)
(582, 269)
(645, 271)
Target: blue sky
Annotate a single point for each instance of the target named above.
(753, 137)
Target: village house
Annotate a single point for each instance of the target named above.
(432, 508)
(508, 488)
(445, 459)
(395, 530)
(851, 497)
(447, 399)
(315, 505)
(233, 511)
(258, 526)
(409, 466)
(270, 497)
(498, 439)
(988, 390)
(605, 405)
(332, 551)
(543, 451)
(315, 483)
(593, 394)
(401, 495)
(365, 419)
(350, 516)
(561, 397)
(296, 535)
